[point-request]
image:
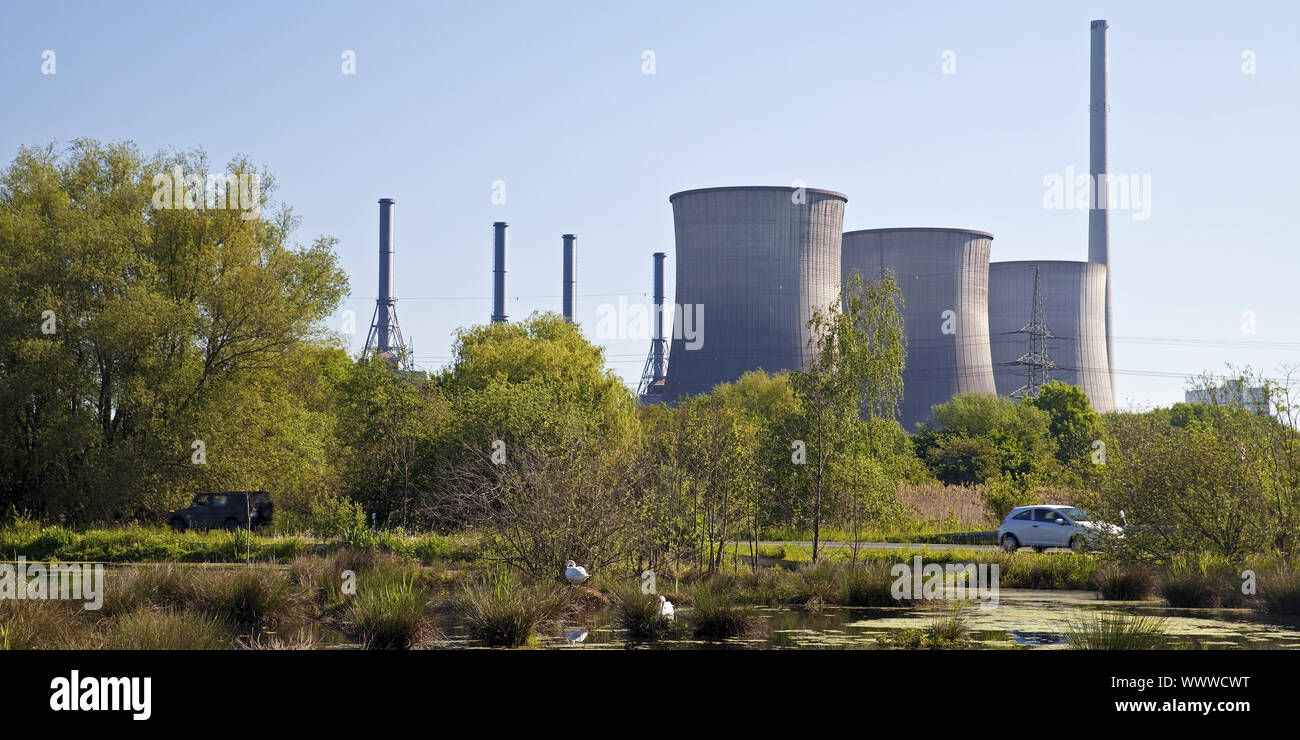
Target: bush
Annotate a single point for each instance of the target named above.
(1006, 492)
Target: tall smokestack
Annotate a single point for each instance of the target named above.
(1098, 214)
(659, 317)
(568, 276)
(384, 305)
(499, 273)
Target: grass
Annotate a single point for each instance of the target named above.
(166, 629)
(948, 633)
(716, 615)
(1279, 591)
(1127, 582)
(639, 614)
(502, 612)
(1109, 631)
(149, 544)
(389, 616)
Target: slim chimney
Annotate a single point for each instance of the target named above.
(1098, 214)
(568, 277)
(659, 317)
(499, 274)
(384, 305)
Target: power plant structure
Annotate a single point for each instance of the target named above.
(762, 259)
(385, 337)
(943, 276)
(753, 263)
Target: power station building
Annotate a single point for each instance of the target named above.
(752, 264)
(943, 275)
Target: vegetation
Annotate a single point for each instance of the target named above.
(1105, 631)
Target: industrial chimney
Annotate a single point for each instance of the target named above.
(568, 277)
(658, 349)
(1098, 214)
(385, 338)
(499, 273)
(651, 387)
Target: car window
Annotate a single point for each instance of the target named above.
(1046, 515)
(219, 502)
(200, 500)
(1024, 515)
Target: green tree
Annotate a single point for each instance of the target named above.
(1073, 423)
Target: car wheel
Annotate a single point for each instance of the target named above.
(177, 524)
(1010, 543)
(231, 525)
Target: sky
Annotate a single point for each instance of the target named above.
(934, 114)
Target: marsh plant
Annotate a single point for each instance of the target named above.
(1110, 631)
(1279, 591)
(501, 611)
(716, 615)
(947, 633)
(389, 615)
(1126, 582)
(639, 614)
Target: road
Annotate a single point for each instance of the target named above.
(888, 545)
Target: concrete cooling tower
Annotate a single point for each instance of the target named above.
(943, 275)
(753, 263)
(1074, 306)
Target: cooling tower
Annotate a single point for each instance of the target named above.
(752, 264)
(943, 275)
(1074, 303)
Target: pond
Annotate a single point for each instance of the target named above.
(1023, 619)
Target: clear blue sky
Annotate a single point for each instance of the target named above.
(550, 98)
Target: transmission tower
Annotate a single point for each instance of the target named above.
(1037, 362)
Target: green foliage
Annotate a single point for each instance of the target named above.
(1074, 425)
(963, 461)
(949, 633)
(170, 326)
(715, 614)
(1109, 631)
(1005, 492)
(502, 612)
(388, 615)
(1131, 582)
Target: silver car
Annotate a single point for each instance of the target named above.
(1044, 526)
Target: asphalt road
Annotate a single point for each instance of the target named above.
(890, 545)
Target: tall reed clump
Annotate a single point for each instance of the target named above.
(1127, 582)
(1279, 591)
(1110, 631)
(388, 615)
(640, 614)
(716, 615)
(503, 612)
(1201, 582)
(166, 629)
(868, 584)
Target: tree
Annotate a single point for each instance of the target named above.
(1072, 422)
(1020, 433)
(857, 366)
(963, 461)
(129, 332)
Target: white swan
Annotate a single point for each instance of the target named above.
(574, 572)
(665, 608)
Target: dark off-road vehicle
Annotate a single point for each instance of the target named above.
(226, 509)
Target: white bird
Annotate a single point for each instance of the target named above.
(665, 608)
(575, 635)
(574, 572)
